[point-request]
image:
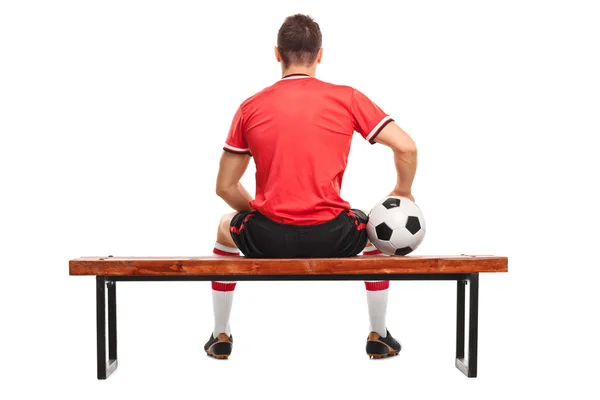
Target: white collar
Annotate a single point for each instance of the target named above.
(296, 76)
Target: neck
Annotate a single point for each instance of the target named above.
(299, 70)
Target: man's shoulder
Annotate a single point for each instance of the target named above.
(256, 96)
(345, 91)
(335, 87)
(252, 98)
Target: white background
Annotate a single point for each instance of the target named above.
(112, 119)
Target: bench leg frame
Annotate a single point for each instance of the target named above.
(467, 366)
(106, 367)
(106, 312)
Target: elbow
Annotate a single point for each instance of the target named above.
(222, 190)
(408, 149)
(412, 149)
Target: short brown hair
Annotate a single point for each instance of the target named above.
(299, 40)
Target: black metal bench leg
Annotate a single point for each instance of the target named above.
(106, 368)
(468, 367)
(460, 319)
(112, 321)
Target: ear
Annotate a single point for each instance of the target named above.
(277, 54)
(320, 56)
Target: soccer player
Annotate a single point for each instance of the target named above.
(299, 131)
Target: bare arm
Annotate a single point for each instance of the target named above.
(229, 188)
(405, 157)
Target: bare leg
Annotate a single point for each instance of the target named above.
(223, 233)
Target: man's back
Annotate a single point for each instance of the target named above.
(299, 131)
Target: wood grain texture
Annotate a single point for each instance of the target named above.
(223, 266)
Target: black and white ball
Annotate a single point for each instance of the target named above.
(396, 226)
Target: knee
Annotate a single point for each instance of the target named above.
(225, 222)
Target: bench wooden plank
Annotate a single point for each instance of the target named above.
(223, 266)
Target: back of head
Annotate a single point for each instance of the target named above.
(299, 41)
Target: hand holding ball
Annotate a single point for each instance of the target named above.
(396, 226)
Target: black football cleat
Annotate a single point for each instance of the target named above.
(219, 347)
(380, 347)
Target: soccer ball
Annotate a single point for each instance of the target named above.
(396, 226)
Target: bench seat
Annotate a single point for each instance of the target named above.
(225, 266)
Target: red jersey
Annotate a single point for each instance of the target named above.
(299, 132)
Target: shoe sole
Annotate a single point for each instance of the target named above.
(377, 356)
(218, 356)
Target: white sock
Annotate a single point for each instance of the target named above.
(221, 250)
(377, 299)
(222, 294)
(371, 250)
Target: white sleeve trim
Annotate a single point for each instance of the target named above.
(374, 131)
(235, 148)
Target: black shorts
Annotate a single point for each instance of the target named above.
(259, 237)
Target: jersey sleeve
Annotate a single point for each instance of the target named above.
(367, 117)
(236, 139)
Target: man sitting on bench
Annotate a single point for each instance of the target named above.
(299, 132)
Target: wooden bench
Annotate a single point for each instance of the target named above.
(108, 270)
